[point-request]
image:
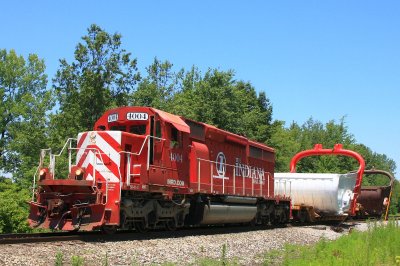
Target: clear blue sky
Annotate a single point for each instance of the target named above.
(320, 59)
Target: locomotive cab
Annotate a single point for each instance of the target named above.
(130, 150)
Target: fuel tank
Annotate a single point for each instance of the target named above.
(224, 213)
(329, 194)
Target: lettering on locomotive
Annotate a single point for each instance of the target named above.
(176, 157)
(248, 171)
(137, 116)
(112, 117)
(175, 182)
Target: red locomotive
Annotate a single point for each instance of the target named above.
(143, 168)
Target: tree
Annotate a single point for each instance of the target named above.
(217, 99)
(304, 137)
(158, 88)
(102, 76)
(13, 207)
(285, 144)
(25, 101)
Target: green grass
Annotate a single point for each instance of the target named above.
(222, 261)
(380, 245)
(59, 259)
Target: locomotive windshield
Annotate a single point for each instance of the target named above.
(138, 129)
(118, 128)
(134, 129)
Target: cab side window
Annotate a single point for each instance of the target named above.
(158, 129)
(175, 138)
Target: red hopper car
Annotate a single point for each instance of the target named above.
(143, 168)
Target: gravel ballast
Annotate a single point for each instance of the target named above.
(246, 247)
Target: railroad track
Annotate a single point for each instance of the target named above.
(43, 237)
(98, 236)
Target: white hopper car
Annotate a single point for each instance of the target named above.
(321, 196)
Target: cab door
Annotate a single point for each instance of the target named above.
(176, 157)
(157, 140)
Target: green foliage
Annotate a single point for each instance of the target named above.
(222, 260)
(105, 261)
(102, 76)
(217, 99)
(13, 207)
(158, 88)
(284, 142)
(59, 259)
(25, 102)
(394, 207)
(296, 138)
(313, 132)
(378, 246)
(77, 260)
(223, 255)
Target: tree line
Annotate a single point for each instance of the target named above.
(36, 113)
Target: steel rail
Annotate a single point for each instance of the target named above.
(131, 235)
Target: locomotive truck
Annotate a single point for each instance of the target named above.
(142, 168)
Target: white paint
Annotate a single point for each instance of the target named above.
(330, 193)
(220, 163)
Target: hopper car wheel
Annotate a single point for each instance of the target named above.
(303, 216)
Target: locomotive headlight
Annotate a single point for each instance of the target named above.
(42, 174)
(79, 173)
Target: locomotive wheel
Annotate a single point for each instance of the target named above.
(109, 229)
(122, 219)
(171, 225)
(252, 223)
(140, 227)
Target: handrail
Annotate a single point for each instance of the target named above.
(381, 172)
(96, 152)
(337, 150)
(68, 140)
(53, 156)
(205, 160)
(234, 178)
(34, 183)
